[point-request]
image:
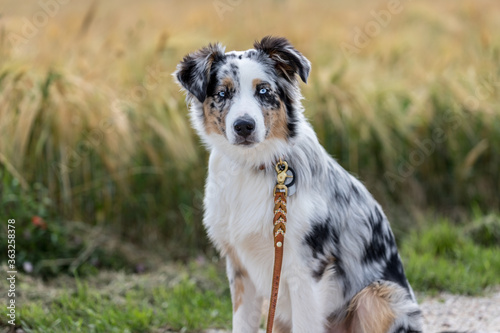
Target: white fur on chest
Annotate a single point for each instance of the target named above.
(239, 213)
(237, 201)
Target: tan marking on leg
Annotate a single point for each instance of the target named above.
(281, 327)
(239, 274)
(239, 289)
(231, 253)
(370, 310)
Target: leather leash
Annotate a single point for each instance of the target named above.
(279, 221)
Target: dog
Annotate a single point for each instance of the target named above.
(341, 268)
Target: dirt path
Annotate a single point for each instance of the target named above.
(448, 312)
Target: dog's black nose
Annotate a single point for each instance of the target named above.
(244, 126)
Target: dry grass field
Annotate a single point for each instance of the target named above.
(403, 93)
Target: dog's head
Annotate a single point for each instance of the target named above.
(244, 98)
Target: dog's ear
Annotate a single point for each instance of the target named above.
(193, 72)
(288, 61)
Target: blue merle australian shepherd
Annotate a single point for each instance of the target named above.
(341, 268)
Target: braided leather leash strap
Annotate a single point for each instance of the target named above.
(279, 221)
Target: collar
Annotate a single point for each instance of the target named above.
(291, 179)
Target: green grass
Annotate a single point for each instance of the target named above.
(192, 297)
(178, 298)
(446, 257)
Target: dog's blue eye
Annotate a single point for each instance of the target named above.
(263, 91)
(222, 94)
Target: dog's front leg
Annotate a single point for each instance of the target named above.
(307, 314)
(247, 306)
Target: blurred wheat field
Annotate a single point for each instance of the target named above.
(89, 111)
